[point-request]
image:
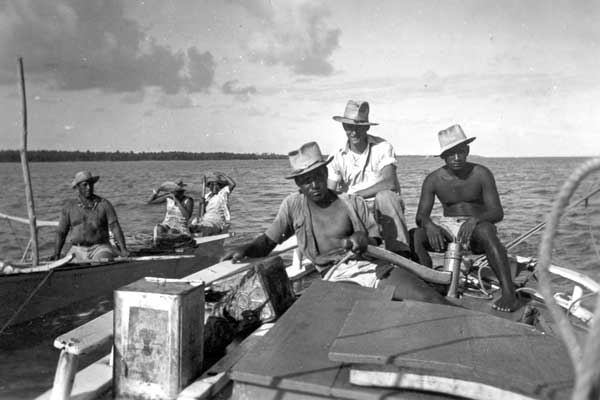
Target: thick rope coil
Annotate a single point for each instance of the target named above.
(587, 363)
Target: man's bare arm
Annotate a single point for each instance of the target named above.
(389, 182)
(493, 211)
(259, 247)
(115, 228)
(434, 233)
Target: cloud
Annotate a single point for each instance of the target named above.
(293, 34)
(76, 45)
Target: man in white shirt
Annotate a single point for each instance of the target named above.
(366, 166)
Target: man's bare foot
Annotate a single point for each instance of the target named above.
(507, 303)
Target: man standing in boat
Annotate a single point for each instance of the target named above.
(471, 204)
(327, 225)
(366, 166)
(90, 218)
(179, 209)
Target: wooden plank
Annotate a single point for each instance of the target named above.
(390, 376)
(293, 355)
(455, 343)
(95, 335)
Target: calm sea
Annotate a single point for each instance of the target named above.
(527, 188)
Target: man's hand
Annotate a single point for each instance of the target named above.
(235, 255)
(466, 232)
(357, 242)
(54, 257)
(435, 236)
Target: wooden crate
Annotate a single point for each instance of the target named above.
(159, 329)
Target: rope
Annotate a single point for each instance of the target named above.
(586, 364)
(22, 306)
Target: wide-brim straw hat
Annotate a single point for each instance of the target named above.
(356, 113)
(452, 137)
(173, 186)
(214, 177)
(307, 158)
(84, 176)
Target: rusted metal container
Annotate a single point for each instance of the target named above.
(159, 328)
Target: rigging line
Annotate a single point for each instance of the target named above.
(22, 306)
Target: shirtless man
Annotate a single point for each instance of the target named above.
(179, 208)
(468, 194)
(327, 225)
(90, 218)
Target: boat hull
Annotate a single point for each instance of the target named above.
(72, 284)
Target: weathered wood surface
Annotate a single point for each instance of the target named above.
(455, 343)
(291, 360)
(89, 337)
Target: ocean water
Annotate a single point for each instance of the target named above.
(527, 187)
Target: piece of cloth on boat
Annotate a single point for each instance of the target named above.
(357, 172)
(93, 253)
(363, 272)
(294, 217)
(88, 223)
(452, 225)
(217, 216)
(174, 221)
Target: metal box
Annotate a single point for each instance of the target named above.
(159, 334)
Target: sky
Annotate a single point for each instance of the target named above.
(266, 76)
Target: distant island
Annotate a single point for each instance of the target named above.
(59, 155)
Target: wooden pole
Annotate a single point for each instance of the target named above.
(26, 177)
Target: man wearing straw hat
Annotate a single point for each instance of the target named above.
(214, 215)
(366, 166)
(90, 219)
(327, 225)
(179, 209)
(471, 204)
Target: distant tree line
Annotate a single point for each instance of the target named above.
(59, 155)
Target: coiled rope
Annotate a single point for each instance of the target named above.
(586, 362)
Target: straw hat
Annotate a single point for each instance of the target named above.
(305, 159)
(356, 113)
(84, 176)
(452, 137)
(173, 186)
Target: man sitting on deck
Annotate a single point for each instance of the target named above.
(327, 225)
(366, 166)
(213, 213)
(468, 194)
(179, 209)
(90, 218)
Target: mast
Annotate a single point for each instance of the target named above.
(26, 177)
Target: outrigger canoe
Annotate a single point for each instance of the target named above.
(31, 292)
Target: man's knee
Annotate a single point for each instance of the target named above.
(388, 199)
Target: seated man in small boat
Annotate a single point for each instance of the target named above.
(366, 166)
(327, 225)
(213, 213)
(179, 209)
(90, 219)
(471, 204)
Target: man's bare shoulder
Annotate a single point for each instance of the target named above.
(481, 171)
(436, 174)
